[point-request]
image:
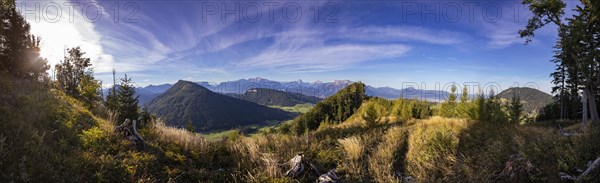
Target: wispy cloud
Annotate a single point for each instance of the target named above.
(292, 57)
(405, 33)
(503, 34)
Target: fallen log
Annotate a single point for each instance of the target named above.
(563, 132)
(591, 167)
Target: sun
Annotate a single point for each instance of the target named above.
(67, 32)
(55, 38)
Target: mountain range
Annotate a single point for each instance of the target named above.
(316, 89)
(188, 102)
(270, 97)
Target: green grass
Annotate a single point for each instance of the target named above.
(219, 135)
(248, 130)
(298, 108)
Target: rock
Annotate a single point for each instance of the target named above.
(517, 169)
(329, 177)
(299, 165)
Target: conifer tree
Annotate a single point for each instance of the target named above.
(89, 89)
(19, 50)
(111, 98)
(463, 108)
(127, 99)
(448, 108)
(515, 109)
(578, 48)
(371, 115)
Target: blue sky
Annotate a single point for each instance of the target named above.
(382, 43)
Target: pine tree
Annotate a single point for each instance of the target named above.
(111, 98)
(482, 108)
(371, 115)
(578, 48)
(19, 50)
(463, 108)
(189, 126)
(146, 116)
(127, 99)
(448, 108)
(515, 109)
(89, 89)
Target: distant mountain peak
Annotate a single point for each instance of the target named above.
(345, 81)
(257, 79)
(186, 86)
(533, 99)
(188, 101)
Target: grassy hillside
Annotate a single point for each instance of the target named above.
(189, 102)
(46, 136)
(334, 109)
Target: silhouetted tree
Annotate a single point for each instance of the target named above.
(19, 50)
(578, 48)
(111, 98)
(127, 100)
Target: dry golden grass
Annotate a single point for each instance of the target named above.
(381, 162)
(433, 143)
(270, 165)
(353, 147)
(187, 139)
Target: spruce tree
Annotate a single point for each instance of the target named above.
(463, 108)
(371, 115)
(515, 109)
(127, 99)
(89, 89)
(578, 48)
(111, 98)
(448, 108)
(19, 50)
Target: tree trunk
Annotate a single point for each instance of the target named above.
(592, 103)
(562, 105)
(584, 113)
(563, 110)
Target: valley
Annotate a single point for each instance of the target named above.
(299, 91)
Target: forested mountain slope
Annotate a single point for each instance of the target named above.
(187, 102)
